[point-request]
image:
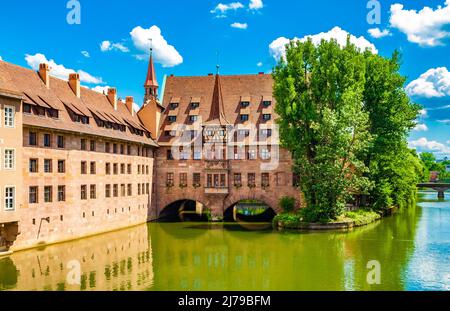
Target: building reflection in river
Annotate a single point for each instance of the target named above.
(194, 256)
(120, 260)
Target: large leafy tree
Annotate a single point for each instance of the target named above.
(345, 117)
(393, 169)
(319, 92)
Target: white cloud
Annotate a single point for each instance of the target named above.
(445, 121)
(423, 113)
(433, 83)
(85, 54)
(278, 47)
(1, 58)
(221, 9)
(425, 145)
(255, 4)
(426, 27)
(106, 46)
(421, 127)
(60, 71)
(239, 25)
(163, 52)
(101, 89)
(378, 33)
(136, 107)
(260, 64)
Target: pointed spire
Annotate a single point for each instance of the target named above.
(151, 84)
(217, 112)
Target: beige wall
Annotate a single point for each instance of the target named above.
(75, 217)
(10, 138)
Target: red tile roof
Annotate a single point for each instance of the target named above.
(59, 95)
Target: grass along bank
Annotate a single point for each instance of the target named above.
(345, 221)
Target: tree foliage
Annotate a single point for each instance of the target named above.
(345, 117)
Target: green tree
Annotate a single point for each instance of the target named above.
(393, 169)
(319, 92)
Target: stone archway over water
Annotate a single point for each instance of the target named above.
(184, 210)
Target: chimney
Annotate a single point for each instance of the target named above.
(74, 82)
(44, 73)
(129, 103)
(112, 97)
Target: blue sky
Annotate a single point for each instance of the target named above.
(188, 34)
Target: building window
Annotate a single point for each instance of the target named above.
(128, 168)
(9, 116)
(195, 105)
(147, 171)
(196, 180)
(243, 133)
(92, 145)
(116, 190)
(169, 155)
(10, 159)
(252, 154)
(265, 154)
(172, 119)
(128, 149)
(183, 179)
(169, 180)
(122, 150)
(61, 166)
(107, 147)
(83, 167)
(83, 144)
(48, 194)
(197, 155)
(83, 192)
(32, 139)
(130, 190)
(122, 168)
(237, 180)
(245, 104)
(115, 168)
(47, 140)
(147, 188)
(114, 148)
(108, 191)
(33, 167)
(60, 140)
(267, 117)
(139, 189)
(193, 118)
(139, 169)
(33, 195)
(267, 103)
(122, 190)
(27, 108)
(10, 196)
(93, 191)
(108, 168)
(93, 168)
(244, 117)
(61, 193)
(295, 180)
(47, 165)
(265, 180)
(251, 180)
(173, 106)
(266, 132)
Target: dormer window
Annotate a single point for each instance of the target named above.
(195, 105)
(267, 103)
(173, 106)
(244, 117)
(267, 117)
(41, 111)
(172, 118)
(26, 108)
(245, 104)
(193, 118)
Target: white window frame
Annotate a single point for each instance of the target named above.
(13, 116)
(265, 154)
(13, 167)
(13, 199)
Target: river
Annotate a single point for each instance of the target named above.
(412, 249)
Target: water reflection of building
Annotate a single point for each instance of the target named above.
(119, 260)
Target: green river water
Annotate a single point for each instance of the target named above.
(412, 248)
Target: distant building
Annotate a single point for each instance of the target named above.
(434, 176)
(447, 168)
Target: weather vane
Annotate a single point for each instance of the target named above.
(218, 66)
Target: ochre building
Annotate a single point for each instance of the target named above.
(75, 162)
